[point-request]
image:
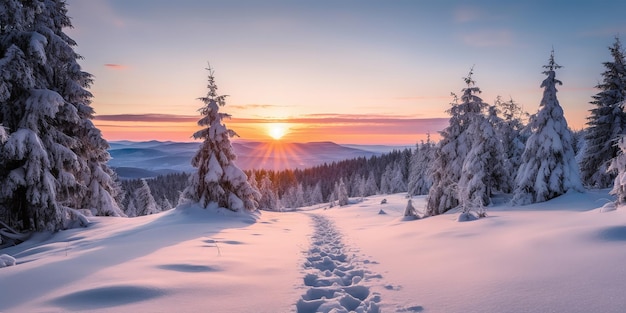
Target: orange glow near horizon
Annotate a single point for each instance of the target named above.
(269, 130)
(277, 130)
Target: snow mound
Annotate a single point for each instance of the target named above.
(106, 297)
(608, 207)
(612, 234)
(6, 260)
(466, 217)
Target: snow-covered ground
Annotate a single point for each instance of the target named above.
(560, 256)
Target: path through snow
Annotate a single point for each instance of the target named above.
(336, 279)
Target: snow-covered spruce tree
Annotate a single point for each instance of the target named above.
(482, 170)
(46, 171)
(370, 185)
(341, 193)
(144, 201)
(548, 168)
(420, 179)
(499, 179)
(316, 194)
(606, 122)
(510, 129)
(618, 165)
(217, 179)
(269, 199)
(454, 146)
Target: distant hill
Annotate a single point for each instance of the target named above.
(150, 158)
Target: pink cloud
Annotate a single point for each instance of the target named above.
(114, 66)
(147, 118)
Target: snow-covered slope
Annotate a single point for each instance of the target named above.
(560, 256)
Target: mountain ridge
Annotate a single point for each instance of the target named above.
(143, 159)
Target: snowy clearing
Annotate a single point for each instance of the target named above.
(564, 255)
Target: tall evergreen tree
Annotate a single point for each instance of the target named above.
(606, 122)
(548, 167)
(482, 172)
(510, 128)
(217, 179)
(420, 179)
(450, 154)
(55, 159)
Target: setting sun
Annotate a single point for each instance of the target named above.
(277, 130)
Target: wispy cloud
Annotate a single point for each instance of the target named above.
(147, 118)
(358, 123)
(114, 66)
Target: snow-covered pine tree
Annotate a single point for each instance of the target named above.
(370, 185)
(45, 106)
(316, 194)
(548, 168)
(606, 122)
(144, 201)
(618, 165)
(131, 209)
(269, 199)
(452, 149)
(217, 179)
(481, 173)
(420, 179)
(300, 196)
(397, 182)
(385, 180)
(341, 192)
(165, 204)
(510, 129)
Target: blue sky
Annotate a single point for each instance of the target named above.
(346, 71)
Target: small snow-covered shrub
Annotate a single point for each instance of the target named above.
(467, 216)
(6, 260)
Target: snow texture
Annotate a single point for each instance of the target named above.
(336, 280)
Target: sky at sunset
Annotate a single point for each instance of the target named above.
(364, 72)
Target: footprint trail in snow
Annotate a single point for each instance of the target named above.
(336, 280)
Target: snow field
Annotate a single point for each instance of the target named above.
(191, 260)
(559, 256)
(563, 255)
